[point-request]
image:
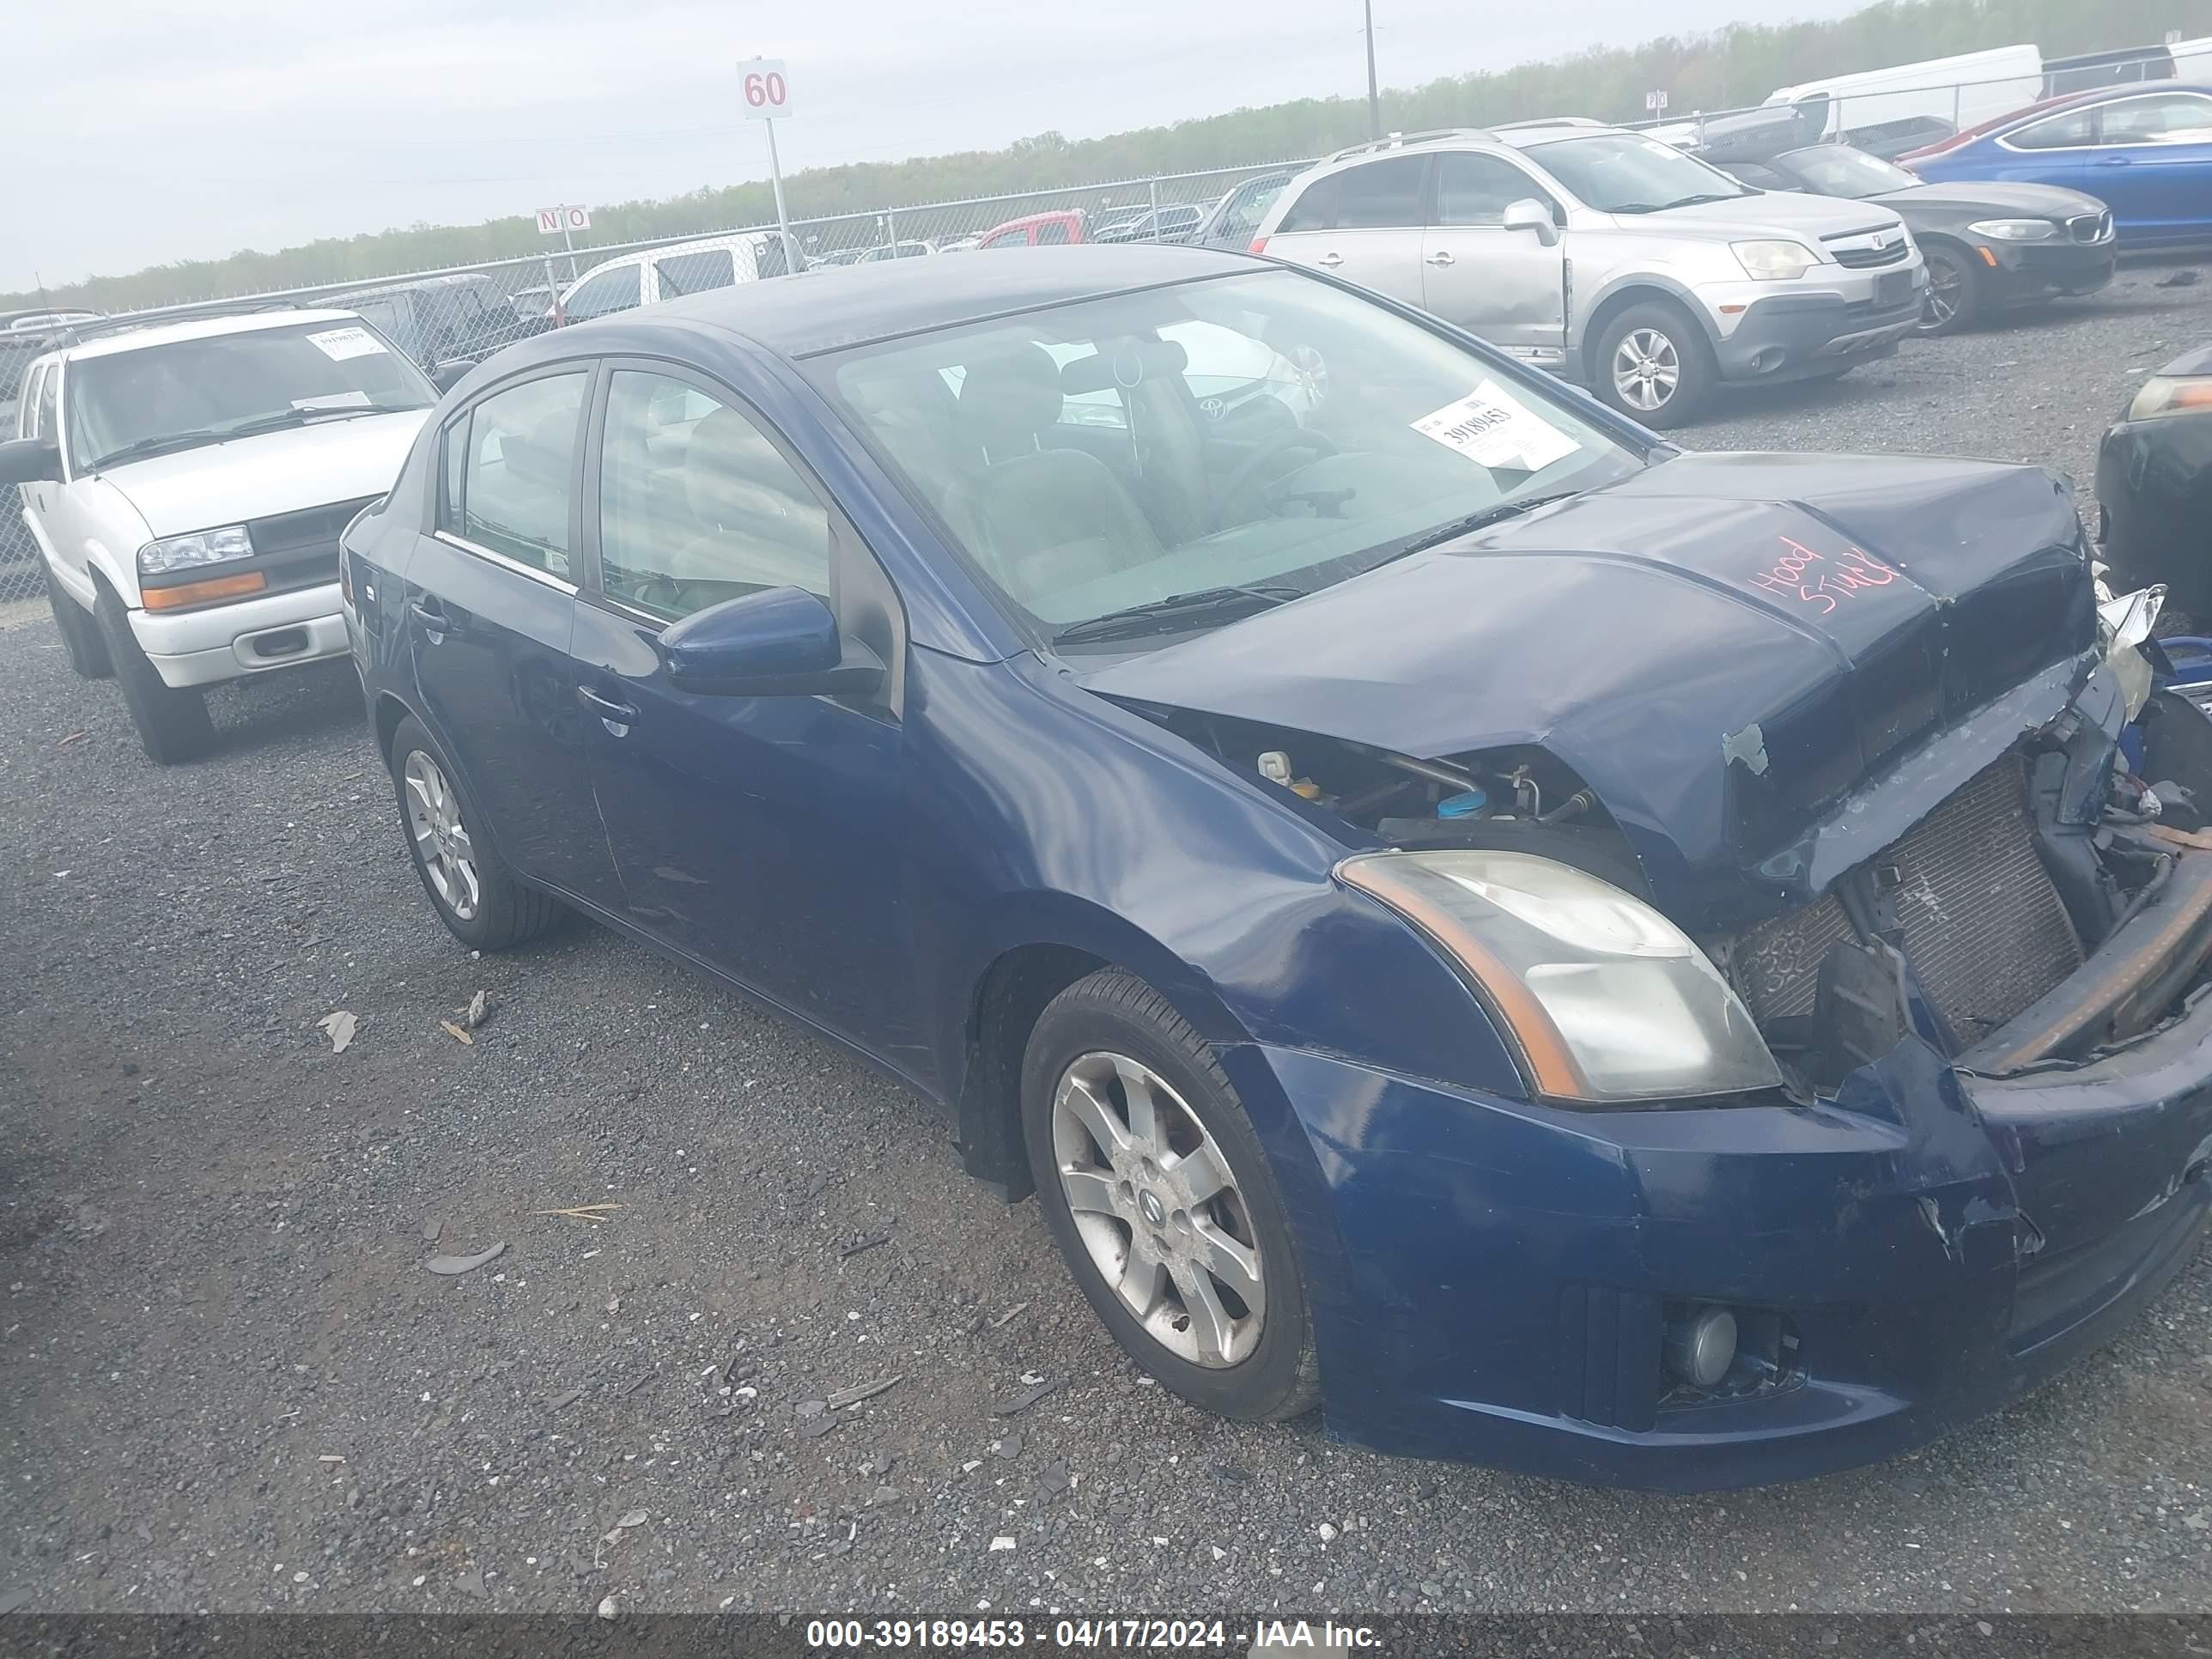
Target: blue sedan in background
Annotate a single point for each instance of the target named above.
(2144, 150)
(1632, 965)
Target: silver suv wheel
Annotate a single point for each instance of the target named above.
(1646, 369)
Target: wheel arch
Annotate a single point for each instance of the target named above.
(1641, 289)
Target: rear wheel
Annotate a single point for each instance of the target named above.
(171, 721)
(1954, 291)
(1157, 1191)
(80, 641)
(1655, 365)
(478, 899)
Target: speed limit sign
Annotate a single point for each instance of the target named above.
(764, 91)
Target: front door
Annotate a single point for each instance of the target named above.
(1504, 285)
(2153, 168)
(758, 833)
(490, 604)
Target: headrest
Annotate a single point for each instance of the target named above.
(1006, 400)
(542, 454)
(1130, 363)
(725, 465)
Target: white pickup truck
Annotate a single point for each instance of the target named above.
(186, 484)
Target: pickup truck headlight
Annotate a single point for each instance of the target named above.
(2013, 230)
(201, 547)
(1609, 1000)
(1775, 262)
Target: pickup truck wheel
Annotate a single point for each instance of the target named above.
(80, 641)
(476, 897)
(173, 721)
(1654, 365)
(1155, 1187)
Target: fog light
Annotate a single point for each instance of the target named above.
(1701, 1346)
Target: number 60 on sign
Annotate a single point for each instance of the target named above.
(766, 93)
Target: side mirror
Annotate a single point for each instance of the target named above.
(1530, 214)
(450, 374)
(30, 460)
(779, 642)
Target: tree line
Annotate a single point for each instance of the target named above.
(1736, 65)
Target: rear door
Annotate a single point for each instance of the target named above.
(1365, 224)
(1504, 284)
(489, 600)
(757, 833)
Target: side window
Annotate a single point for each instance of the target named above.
(608, 292)
(1245, 213)
(1314, 209)
(2170, 117)
(33, 415)
(1052, 234)
(1476, 189)
(696, 505)
(697, 272)
(519, 470)
(452, 470)
(1382, 195)
(1010, 239)
(2069, 130)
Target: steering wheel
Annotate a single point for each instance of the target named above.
(1278, 443)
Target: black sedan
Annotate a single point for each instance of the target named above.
(1989, 246)
(2154, 485)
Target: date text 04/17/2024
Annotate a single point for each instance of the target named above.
(1089, 1635)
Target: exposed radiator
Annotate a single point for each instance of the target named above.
(1984, 929)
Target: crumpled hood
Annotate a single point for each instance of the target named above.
(1769, 212)
(1728, 648)
(274, 472)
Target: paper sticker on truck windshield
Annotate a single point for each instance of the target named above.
(1492, 427)
(339, 344)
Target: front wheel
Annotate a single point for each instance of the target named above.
(171, 721)
(1157, 1192)
(1655, 365)
(1954, 292)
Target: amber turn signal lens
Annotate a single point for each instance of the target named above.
(207, 592)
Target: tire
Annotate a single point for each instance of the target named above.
(173, 722)
(1258, 1365)
(1683, 372)
(80, 641)
(1954, 291)
(476, 895)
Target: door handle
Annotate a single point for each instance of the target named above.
(2115, 160)
(617, 717)
(1441, 258)
(1331, 260)
(433, 621)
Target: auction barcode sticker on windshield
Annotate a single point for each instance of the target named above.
(1492, 427)
(340, 344)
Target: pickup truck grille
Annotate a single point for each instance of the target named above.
(301, 549)
(1984, 929)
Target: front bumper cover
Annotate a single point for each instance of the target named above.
(245, 636)
(1495, 1274)
(1788, 336)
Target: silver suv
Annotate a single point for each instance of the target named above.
(1609, 257)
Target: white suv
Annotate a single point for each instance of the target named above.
(186, 484)
(1608, 256)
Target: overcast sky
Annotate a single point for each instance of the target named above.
(139, 132)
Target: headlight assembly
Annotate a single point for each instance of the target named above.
(1774, 262)
(201, 547)
(2180, 394)
(2013, 230)
(1609, 1000)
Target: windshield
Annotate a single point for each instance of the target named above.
(1840, 170)
(1626, 172)
(161, 398)
(1265, 429)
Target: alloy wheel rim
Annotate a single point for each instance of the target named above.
(1313, 373)
(1646, 368)
(1158, 1209)
(441, 840)
(1944, 282)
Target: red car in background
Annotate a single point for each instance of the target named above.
(1059, 227)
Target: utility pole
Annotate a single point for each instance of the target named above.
(1374, 102)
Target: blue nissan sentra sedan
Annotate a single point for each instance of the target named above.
(1649, 967)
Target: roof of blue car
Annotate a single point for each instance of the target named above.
(847, 305)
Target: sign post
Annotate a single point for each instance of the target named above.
(1655, 102)
(766, 94)
(560, 222)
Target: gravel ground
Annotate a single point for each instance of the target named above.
(226, 1382)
